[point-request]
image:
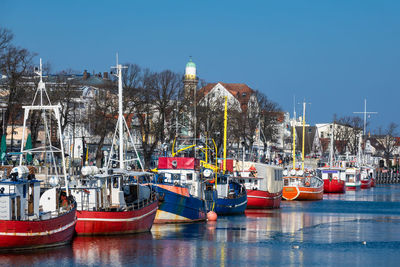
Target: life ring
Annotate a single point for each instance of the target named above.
(307, 183)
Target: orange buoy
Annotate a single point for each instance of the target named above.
(211, 216)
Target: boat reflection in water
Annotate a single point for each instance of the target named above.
(111, 250)
(43, 257)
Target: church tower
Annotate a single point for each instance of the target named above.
(190, 80)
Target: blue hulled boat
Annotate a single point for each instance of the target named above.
(180, 190)
(229, 198)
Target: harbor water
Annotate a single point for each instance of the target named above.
(354, 229)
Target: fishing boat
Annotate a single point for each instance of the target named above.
(300, 186)
(115, 200)
(230, 196)
(365, 177)
(334, 179)
(263, 184)
(372, 174)
(353, 181)
(28, 220)
(180, 188)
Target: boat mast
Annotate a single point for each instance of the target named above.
(225, 130)
(331, 147)
(304, 131)
(120, 115)
(294, 133)
(41, 91)
(365, 112)
(121, 124)
(359, 156)
(258, 140)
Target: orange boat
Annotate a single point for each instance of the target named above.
(300, 185)
(302, 188)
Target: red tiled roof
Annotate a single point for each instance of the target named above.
(397, 141)
(236, 89)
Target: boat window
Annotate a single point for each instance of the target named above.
(189, 176)
(115, 182)
(221, 180)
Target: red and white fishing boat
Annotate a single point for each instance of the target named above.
(302, 187)
(353, 181)
(334, 179)
(116, 201)
(366, 177)
(263, 184)
(28, 220)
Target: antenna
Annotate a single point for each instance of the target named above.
(304, 133)
(294, 107)
(365, 112)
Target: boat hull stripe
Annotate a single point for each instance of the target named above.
(41, 233)
(118, 220)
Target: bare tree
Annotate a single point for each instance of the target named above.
(102, 118)
(270, 118)
(15, 63)
(65, 93)
(387, 139)
(168, 86)
(346, 134)
(6, 37)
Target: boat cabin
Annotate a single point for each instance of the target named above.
(109, 191)
(260, 176)
(367, 173)
(180, 171)
(327, 173)
(19, 196)
(353, 175)
(229, 187)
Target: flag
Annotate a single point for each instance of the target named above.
(28, 145)
(3, 148)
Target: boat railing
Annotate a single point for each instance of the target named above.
(144, 202)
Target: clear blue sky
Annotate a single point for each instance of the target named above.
(333, 53)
